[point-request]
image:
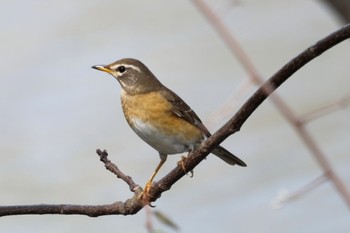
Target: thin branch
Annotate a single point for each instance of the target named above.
(285, 196)
(134, 204)
(330, 108)
(114, 169)
(149, 222)
(228, 39)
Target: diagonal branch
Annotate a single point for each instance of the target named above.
(114, 169)
(134, 204)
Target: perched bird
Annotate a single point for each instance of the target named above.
(159, 116)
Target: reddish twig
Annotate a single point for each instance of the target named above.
(330, 108)
(285, 196)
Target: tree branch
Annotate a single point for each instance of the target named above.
(114, 169)
(134, 204)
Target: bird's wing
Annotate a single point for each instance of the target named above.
(181, 109)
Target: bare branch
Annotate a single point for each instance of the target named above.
(129, 207)
(114, 169)
(330, 108)
(285, 196)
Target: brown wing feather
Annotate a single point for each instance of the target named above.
(181, 109)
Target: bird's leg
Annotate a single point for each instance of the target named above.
(148, 186)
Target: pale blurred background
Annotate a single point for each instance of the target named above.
(56, 110)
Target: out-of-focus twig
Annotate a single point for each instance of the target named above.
(342, 7)
(149, 222)
(232, 102)
(232, 43)
(330, 108)
(285, 196)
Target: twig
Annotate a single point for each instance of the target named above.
(114, 169)
(232, 102)
(225, 34)
(149, 223)
(337, 105)
(286, 196)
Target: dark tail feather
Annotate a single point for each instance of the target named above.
(229, 158)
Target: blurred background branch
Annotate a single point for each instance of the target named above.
(342, 7)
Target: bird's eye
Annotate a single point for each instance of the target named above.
(121, 69)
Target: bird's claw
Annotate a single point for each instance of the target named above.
(146, 196)
(182, 164)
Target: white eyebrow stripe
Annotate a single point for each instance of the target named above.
(132, 67)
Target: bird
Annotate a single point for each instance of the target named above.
(158, 115)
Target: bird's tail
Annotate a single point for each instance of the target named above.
(227, 156)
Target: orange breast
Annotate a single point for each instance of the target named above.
(152, 108)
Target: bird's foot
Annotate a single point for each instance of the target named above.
(146, 195)
(182, 164)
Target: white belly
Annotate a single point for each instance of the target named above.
(161, 142)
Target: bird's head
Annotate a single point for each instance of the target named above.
(133, 76)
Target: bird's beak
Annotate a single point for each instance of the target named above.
(102, 68)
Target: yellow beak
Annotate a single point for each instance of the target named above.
(102, 68)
